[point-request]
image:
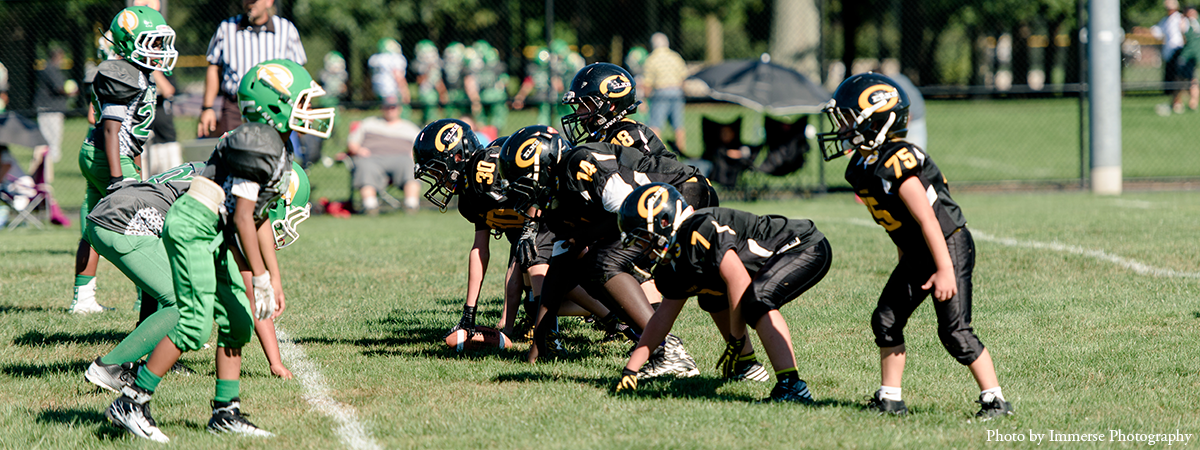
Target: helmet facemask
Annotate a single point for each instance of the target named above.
(291, 208)
(155, 49)
(317, 122)
(652, 249)
(443, 181)
(854, 130)
(285, 229)
(526, 193)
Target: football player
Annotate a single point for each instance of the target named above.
(907, 195)
(126, 227)
(218, 227)
(601, 96)
(123, 95)
(577, 192)
(452, 161)
(742, 268)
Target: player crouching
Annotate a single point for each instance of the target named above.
(758, 263)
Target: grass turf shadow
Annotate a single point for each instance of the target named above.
(23, 370)
(40, 339)
(14, 309)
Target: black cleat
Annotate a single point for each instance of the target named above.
(992, 409)
(883, 406)
(227, 418)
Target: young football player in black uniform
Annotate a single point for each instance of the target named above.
(601, 95)
(577, 192)
(452, 161)
(742, 268)
(907, 195)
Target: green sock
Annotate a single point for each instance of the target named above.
(147, 380)
(81, 280)
(227, 390)
(144, 338)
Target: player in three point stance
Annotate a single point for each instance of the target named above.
(124, 98)
(741, 267)
(577, 192)
(906, 193)
(220, 226)
(601, 95)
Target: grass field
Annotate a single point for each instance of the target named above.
(1087, 303)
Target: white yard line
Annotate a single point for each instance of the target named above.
(316, 392)
(1137, 267)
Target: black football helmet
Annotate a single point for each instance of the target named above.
(649, 217)
(441, 154)
(601, 95)
(527, 162)
(498, 142)
(867, 109)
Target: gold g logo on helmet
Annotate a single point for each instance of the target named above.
(652, 202)
(277, 76)
(616, 86)
(128, 20)
(528, 152)
(877, 94)
(448, 137)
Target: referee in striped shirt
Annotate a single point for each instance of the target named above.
(241, 42)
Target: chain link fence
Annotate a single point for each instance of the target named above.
(1001, 80)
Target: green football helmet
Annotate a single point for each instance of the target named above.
(291, 209)
(142, 36)
(281, 93)
(388, 45)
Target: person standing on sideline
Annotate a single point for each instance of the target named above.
(1170, 30)
(664, 74)
(382, 149)
(50, 97)
(241, 42)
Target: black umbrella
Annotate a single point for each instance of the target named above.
(764, 87)
(15, 129)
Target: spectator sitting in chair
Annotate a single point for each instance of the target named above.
(381, 148)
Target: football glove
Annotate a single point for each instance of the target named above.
(467, 322)
(527, 245)
(628, 381)
(727, 364)
(264, 296)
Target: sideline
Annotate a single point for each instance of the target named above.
(1135, 266)
(316, 392)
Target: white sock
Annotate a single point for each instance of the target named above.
(990, 394)
(890, 393)
(412, 203)
(85, 294)
(371, 203)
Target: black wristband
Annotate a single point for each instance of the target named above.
(626, 371)
(206, 108)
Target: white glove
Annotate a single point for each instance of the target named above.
(264, 296)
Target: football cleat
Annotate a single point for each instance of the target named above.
(669, 359)
(113, 377)
(750, 369)
(180, 368)
(992, 408)
(131, 411)
(796, 391)
(227, 418)
(884, 406)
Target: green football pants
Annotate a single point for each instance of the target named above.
(141, 258)
(94, 165)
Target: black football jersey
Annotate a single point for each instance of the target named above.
(481, 199)
(594, 179)
(139, 209)
(125, 93)
(877, 178)
(631, 133)
(705, 236)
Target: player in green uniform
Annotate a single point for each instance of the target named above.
(124, 98)
(219, 226)
(742, 268)
(907, 195)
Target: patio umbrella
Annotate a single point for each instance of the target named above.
(764, 87)
(15, 129)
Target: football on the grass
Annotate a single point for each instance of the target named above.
(485, 337)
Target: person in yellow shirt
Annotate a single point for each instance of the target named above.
(663, 78)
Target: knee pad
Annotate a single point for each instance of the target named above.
(235, 337)
(753, 310)
(886, 335)
(962, 344)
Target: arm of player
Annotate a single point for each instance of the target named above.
(653, 335)
(402, 86)
(737, 280)
(243, 220)
(208, 117)
(112, 146)
(943, 281)
(477, 263)
(266, 245)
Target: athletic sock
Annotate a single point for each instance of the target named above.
(412, 203)
(890, 393)
(227, 390)
(371, 203)
(147, 380)
(787, 376)
(144, 338)
(85, 290)
(989, 394)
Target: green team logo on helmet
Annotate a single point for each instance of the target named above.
(291, 209)
(142, 36)
(281, 93)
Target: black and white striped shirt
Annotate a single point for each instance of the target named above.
(238, 45)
